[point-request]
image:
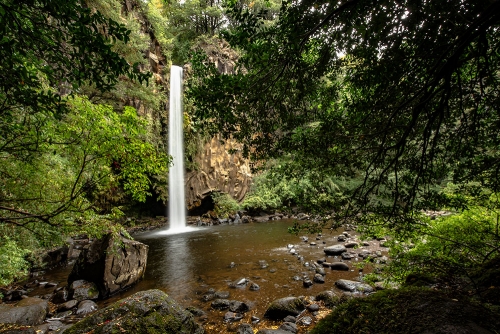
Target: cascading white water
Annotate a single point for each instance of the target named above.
(176, 201)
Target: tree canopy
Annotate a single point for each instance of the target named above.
(401, 93)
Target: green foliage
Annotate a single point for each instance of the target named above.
(12, 261)
(403, 94)
(89, 151)
(286, 183)
(224, 204)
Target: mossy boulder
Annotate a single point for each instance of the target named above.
(409, 310)
(280, 308)
(150, 311)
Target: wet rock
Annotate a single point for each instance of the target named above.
(321, 271)
(50, 285)
(67, 305)
(150, 311)
(263, 264)
(238, 307)
(313, 307)
(14, 295)
(240, 283)
(220, 304)
(341, 238)
(254, 287)
(244, 329)
(306, 321)
(208, 297)
(29, 311)
(86, 307)
(232, 317)
(290, 318)
(351, 244)
(222, 294)
(272, 331)
(283, 307)
(312, 244)
(339, 266)
(335, 250)
(326, 264)
(366, 243)
(321, 261)
(232, 265)
(353, 286)
(289, 327)
(348, 255)
(195, 311)
(307, 283)
(319, 278)
(62, 315)
(82, 290)
(329, 298)
(112, 263)
(255, 320)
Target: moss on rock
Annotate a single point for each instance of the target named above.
(150, 312)
(409, 310)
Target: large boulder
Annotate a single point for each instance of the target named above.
(283, 307)
(29, 311)
(150, 311)
(113, 263)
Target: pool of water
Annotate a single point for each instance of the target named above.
(186, 265)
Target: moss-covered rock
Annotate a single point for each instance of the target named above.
(150, 312)
(409, 310)
(282, 307)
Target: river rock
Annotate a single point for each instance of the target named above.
(82, 290)
(244, 329)
(282, 307)
(232, 317)
(68, 305)
(222, 294)
(348, 255)
(150, 311)
(353, 286)
(351, 244)
(307, 283)
(289, 327)
(254, 287)
(339, 266)
(306, 321)
(272, 331)
(112, 263)
(313, 307)
(318, 278)
(60, 297)
(220, 304)
(86, 307)
(238, 307)
(29, 311)
(240, 283)
(329, 298)
(335, 250)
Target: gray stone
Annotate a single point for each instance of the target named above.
(307, 283)
(272, 331)
(351, 244)
(113, 263)
(238, 307)
(290, 318)
(82, 290)
(321, 271)
(220, 304)
(329, 298)
(353, 286)
(60, 297)
(240, 283)
(289, 327)
(68, 305)
(29, 311)
(150, 311)
(339, 266)
(313, 307)
(283, 307)
(254, 287)
(306, 321)
(86, 307)
(318, 278)
(335, 250)
(244, 329)
(232, 317)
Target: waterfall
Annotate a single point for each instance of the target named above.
(176, 198)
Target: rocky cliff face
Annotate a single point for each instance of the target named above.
(219, 170)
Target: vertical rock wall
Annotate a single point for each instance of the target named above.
(218, 171)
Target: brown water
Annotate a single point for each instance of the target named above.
(186, 265)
